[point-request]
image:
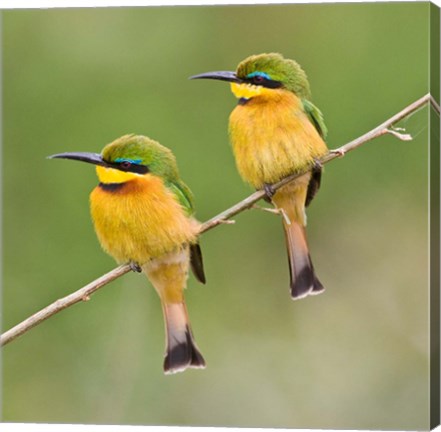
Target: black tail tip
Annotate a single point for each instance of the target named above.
(183, 356)
(306, 283)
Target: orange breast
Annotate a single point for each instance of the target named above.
(272, 137)
(141, 220)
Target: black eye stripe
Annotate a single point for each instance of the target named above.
(126, 166)
(262, 81)
(140, 169)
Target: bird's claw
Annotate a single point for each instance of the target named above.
(269, 192)
(317, 165)
(135, 267)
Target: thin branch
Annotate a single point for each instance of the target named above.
(341, 151)
(83, 294)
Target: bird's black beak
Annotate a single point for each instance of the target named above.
(93, 158)
(220, 75)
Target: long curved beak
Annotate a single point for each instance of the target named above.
(219, 75)
(93, 158)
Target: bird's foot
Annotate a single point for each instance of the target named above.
(269, 192)
(316, 165)
(135, 267)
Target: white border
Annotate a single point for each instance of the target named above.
(21, 4)
(35, 4)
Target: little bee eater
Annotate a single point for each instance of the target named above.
(276, 131)
(143, 215)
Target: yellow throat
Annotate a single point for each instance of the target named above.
(111, 175)
(248, 91)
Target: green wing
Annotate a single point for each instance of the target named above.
(183, 194)
(185, 197)
(316, 117)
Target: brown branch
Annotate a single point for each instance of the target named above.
(341, 151)
(83, 294)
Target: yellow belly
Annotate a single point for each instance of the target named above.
(272, 137)
(140, 221)
(168, 274)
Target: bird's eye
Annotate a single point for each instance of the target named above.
(125, 165)
(258, 79)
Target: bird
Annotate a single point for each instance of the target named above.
(275, 131)
(143, 215)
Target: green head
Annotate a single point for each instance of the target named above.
(271, 71)
(130, 156)
(273, 67)
(131, 151)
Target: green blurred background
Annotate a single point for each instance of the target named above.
(354, 357)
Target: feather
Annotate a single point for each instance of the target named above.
(196, 262)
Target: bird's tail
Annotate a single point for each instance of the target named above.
(291, 199)
(181, 351)
(303, 278)
(168, 275)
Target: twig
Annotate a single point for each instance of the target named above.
(341, 151)
(83, 294)
(277, 211)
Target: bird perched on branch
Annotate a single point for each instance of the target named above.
(143, 215)
(275, 131)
